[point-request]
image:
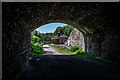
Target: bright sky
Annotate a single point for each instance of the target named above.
(50, 28)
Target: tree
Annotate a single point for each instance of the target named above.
(66, 29)
(35, 33)
(56, 31)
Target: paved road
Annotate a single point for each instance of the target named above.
(66, 67)
(51, 51)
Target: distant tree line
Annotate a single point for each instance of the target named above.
(41, 37)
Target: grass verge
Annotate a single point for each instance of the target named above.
(79, 52)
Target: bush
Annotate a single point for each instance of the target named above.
(80, 52)
(75, 48)
(37, 49)
(87, 55)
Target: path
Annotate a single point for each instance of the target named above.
(51, 51)
(55, 66)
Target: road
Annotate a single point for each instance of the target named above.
(58, 66)
(51, 51)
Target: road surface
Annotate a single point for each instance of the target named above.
(57, 66)
(51, 51)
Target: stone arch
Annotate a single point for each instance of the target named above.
(97, 21)
(62, 21)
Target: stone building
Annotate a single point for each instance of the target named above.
(60, 38)
(76, 38)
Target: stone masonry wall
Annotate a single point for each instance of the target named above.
(76, 38)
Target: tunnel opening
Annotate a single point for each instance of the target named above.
(57, 34)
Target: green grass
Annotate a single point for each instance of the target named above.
(79, 52)
(75, 48)
(62, 49)
(87, 55)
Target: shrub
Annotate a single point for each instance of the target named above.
(37, 49)
(87, 55)
(80, 52)
(75, 48)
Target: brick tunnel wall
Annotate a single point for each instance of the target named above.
(97, 21)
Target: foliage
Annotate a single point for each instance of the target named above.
(75, 48)
(35, 33)
(79, 52)
(56, 31)
(37, 41)
(61, 49)
(66, 29)
(38, 37)
(87, 55)
(37, 49)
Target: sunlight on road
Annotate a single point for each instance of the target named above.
(51, 51)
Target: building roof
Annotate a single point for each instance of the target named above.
(55, 37)
(63, 36)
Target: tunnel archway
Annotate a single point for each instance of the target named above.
(47, 34)
(97, 21)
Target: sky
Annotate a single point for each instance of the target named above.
(50, 28)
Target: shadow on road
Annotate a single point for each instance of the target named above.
(70, 67)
